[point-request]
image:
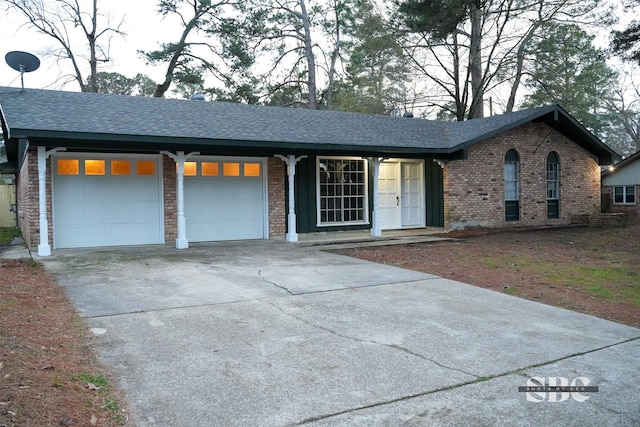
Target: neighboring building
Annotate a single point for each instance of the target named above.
(103, 170)
(621, 186)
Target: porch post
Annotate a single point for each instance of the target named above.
(181, 242)
(376, 231)
(291, 160)
(44, 248)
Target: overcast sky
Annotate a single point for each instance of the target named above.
(143, 26)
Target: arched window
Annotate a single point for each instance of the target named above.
(512, 186)
(553, 185)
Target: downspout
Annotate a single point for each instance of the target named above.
(290, 161)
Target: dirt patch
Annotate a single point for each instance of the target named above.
(48, 369)
(590, 270)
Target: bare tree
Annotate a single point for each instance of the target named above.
(624, 105)
(60, 20)
(480, 46)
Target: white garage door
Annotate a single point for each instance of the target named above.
(224, 199)
(106, 201)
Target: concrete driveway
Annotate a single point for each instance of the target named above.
(266, 333)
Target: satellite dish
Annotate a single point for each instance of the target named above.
(23, 62)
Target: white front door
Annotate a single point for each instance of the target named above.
(412, 205)
(389, 196)
(400, 194)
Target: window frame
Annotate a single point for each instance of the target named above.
(551, 180)
(553, 185)
(511, 176)
(364, 196)
(625, 194)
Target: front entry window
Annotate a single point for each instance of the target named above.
(342, 191)
(553, 185)
(512, 186)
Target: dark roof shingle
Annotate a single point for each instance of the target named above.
(86, 116)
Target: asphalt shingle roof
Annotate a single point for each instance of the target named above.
(76, 115)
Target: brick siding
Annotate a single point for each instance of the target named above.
(169, 186)
(27, 182)
(474, 187)
(276, 177)
(28, 203)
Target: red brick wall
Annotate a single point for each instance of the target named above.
(28, 204)
(27, 184)
(169, 185)
(474, 187)
(276, 177)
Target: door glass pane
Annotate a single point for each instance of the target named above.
(209, 168)
(68, 167)
(120, 167)
(94, 167)
(252, 169)
(145, 167)
(231, 169)
(189, 168)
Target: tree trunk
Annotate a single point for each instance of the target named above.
(476, 109)
(311, 61)
(334, 58)
(91, 37)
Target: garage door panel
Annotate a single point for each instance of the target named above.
(73, 236)
(224, 207)
(95, 214)
(74, 189)
(106, 210)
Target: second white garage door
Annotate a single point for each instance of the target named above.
(225, 199)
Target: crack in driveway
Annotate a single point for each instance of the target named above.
(362, 340)
(264, 279)
(519, 371)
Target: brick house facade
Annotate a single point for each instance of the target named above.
(474, 188)
(245, 169)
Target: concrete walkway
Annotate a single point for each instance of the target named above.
(17, 249)
(267, 333)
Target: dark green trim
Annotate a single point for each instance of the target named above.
(434, 193)
(553, 209)
(512, 210)
(97, 141)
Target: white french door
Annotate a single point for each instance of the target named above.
(401, 194)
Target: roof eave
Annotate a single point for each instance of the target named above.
(606, 156)
(158, 143)
(621, 164)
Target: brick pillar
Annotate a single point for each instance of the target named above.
(276, 177)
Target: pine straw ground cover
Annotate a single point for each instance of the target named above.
(48, 373)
